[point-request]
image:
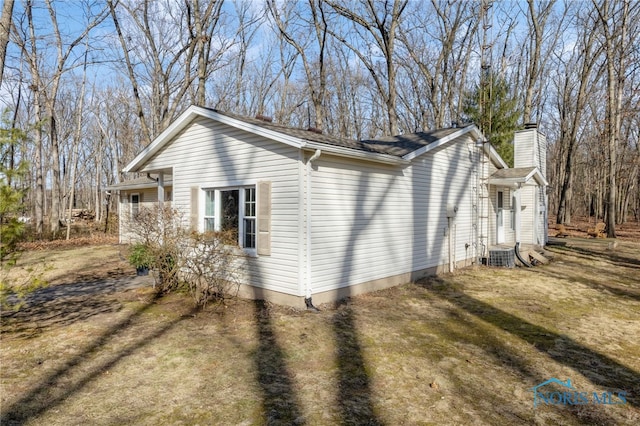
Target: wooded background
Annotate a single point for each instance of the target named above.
(86, 84)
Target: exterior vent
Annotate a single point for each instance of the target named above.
(264, 118)
(315, 130)
(528, 126)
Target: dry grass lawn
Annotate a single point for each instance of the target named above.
(464, 348)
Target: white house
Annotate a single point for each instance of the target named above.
(325, 217)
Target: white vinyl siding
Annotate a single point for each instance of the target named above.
(374, 221)
(147, 199)
(527, 201)
(530, 151)
(208, 154)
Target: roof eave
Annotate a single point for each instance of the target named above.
(187, 117)
(433, 145)
(524, 180)
(352, 153)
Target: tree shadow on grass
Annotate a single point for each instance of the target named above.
(616, 270)
(598, 368)
(612, 287)
(482, 396)
(65, 304)
(354, 387)
(572, 247)
(69, 379)
(279, 400)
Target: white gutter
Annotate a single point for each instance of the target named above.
(314, 157)
(193, 112)
(353, 153)
(438, 143)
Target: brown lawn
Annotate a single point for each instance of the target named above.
(463, 348)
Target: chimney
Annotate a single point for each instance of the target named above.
(530, 148)
(264, 118)
(315, 130)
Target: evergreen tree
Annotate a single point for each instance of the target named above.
(11, 198)
(494, 109)
(11, 207)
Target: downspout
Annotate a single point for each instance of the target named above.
(307, 298)
(517, 218)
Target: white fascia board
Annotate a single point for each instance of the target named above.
(352, 153)
(496, 158)
(511, 183)
(297, 142)
(433, 145)
(130, 187)
(194, 111)
(180, 123)
(535, 173)
(251, 128)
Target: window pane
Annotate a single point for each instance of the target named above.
(210, 204)
(209, 224)
(135, 204)
(249, 233)
(230, 204)
(250, 202)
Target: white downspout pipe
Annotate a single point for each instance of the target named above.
(518, 212)
(308, 289)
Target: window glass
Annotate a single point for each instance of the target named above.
(135, 204)
(209, 210)
(230, 210)
(249, 218)
(236, 212)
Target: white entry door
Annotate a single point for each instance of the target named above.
(500, 218)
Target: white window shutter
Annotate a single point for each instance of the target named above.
(264, 218)
(195, 193)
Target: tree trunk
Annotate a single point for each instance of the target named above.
(5, 31)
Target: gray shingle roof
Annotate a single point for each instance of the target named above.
(398, 146)
(517, 173)
(140, 182)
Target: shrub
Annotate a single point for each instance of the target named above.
(141, 256)
(213, 267)
(206, 264)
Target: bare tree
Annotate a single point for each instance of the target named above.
(438, 41)
(382, 24)
(614, 20)
(537, 19)
(298, 28)
(573, 94)
(173, 47)
(5, 31)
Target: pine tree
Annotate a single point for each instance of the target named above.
(11, 198)
(11, 207)
(494, 109)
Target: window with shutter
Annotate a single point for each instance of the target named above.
(244, 210)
